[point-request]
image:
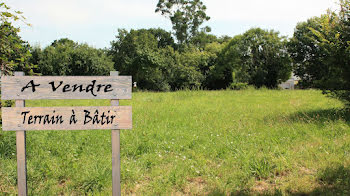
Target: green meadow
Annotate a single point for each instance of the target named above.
(247, 142)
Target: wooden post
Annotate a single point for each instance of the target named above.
(116, 189)
(21, 153)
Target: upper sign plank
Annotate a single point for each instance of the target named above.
(65, 87)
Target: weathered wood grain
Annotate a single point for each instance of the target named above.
(21, 153)
(59, 118)
(12, 87)
(115, 140)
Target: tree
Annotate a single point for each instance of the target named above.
(257, 57)
(321, 52)
(65, 57)
(139, 53)
(186, 17)
(156, 65)
(311, 58)
(186, 70)
(344, 37)
(6, 14)
(163, 37)
(14, 52)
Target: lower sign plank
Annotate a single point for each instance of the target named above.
(66, 118)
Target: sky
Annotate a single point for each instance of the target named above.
(96, 22)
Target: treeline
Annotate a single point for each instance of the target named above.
(158, 63)
(159, 60)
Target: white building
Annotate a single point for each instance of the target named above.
(290, 83)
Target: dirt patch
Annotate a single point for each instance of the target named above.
(260, 187)
(307, 171)
(195, 186)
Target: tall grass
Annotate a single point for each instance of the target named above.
(195, 142)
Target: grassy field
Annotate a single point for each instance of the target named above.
(196, 142)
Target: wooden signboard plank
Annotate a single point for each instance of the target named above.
(66, 118)
(66, 87)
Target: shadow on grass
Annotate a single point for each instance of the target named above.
(322, 115)
(332, 181)
(319, 116)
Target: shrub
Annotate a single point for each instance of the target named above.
(239, 86)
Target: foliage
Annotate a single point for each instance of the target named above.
(320, 51)
(310, 52)
(238, 86)
(257, 57)
(157, 65)
(14, 52)
(186, 71)
(7, 15)
(65, 57)
(186, 17)
(343, 90)
(139, 53)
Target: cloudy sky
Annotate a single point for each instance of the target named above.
(96, 21)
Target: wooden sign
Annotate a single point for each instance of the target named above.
(66, 87)
(21, 118)
(66, 118)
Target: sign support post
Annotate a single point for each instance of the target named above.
(21, 153)
(115, 139)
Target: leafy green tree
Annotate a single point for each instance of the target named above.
(228, 61)
(310, 54)
(186, 17)
(14, 52)
(36, 55)
(257, 57)
(344, 36)
(157, 66)
(202, 39)
(163, 37)
(65, 57)
(64, 41)
(321, 53)
(139, 53)
(8, 15)
(186, 69)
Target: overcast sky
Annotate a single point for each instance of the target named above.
(96, 21)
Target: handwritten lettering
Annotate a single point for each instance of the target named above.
(41, 119)
(30, 84)
(92, 88)
(104, 118)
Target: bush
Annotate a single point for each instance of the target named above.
(239, 86)
(257, 57)
(65, 57)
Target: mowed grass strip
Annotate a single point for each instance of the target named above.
(195, 143)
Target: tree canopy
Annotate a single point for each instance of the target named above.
(320, 52)
(258, 57)
(65, 57)
(186, 17)
(14, 52)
